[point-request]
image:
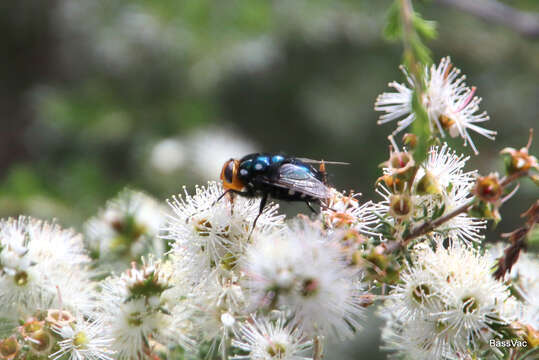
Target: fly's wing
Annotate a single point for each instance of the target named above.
(298, 178)
(311, 161)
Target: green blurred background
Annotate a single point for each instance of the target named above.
(97, 95)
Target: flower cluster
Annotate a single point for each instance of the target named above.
(136, 313)
(39, 260)
(449, 103)
(47, 295)
(435, 188)
(284, 273)
(221, 274)
(447, 304)
(58, 335)
(261, 290)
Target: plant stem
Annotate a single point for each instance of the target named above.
(408, 32)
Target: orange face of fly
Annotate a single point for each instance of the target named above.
(229, 176)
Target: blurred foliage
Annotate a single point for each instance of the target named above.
(90, 87)
(93, 86)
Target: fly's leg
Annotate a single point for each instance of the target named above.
(311, 207)
(231, 193)
(262, 206)
(326, 207)
(221, 196)
(322, 170)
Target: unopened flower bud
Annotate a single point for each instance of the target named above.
(357, 258)
(378, 260)
(31, 326)
(393, 183)
(400, 161)
(532, 337)
(484, 210)
(410, 140)
(520, 160)
(229, 261)
(9, 348)
(428, 185)
(41, 342)
(59, 318)
(401, 164)
(400, 206)
(488, 188)
(527, 332)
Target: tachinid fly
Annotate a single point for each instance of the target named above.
(276, 176)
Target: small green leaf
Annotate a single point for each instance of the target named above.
(424, 28)
(393, 28)
(533, 238)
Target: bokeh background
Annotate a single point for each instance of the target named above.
(99, 95)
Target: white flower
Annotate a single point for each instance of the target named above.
(271, 265)
(219, 305)
(306, 273)
(83, 340)
(264, 339)
(415, 339)
(447, 167)
(449, 103)
(472, 296)
(397, 105)
(39, 261)
(452, 292)
(415, 296)
(443, 168)
(130, 325)
(346, 211)
(133, 311)
(207, 234)
(126, 229)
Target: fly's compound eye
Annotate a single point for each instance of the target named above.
(229, 171)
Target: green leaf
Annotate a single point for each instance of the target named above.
(438, 211)
(421, 51)
(424, 28)
(533, 238)
(393, 28)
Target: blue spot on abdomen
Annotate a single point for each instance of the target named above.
(277, 158)
(261, 163)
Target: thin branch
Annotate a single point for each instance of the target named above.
(408, 33)
(428, 226)
(525, 23)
